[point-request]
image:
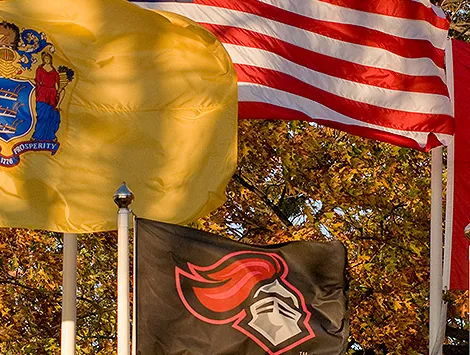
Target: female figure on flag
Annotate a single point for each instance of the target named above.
(47, 113)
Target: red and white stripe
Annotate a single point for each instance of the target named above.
(374, 68)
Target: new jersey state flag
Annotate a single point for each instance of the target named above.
(97, 92)
(200, 294)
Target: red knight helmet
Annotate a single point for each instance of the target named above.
(248, 289)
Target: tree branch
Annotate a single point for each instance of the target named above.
(277, 211)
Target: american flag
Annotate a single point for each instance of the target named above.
(374, 68)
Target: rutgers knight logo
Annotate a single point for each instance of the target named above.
(249, 290)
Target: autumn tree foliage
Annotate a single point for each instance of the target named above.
(300, 181)
(295, 181)
(30, 292)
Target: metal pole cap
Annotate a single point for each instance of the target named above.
(123, 197)
(467, 231)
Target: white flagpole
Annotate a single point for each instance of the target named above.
(450, 174)
(123, 198)
(449, 212)
(435, 290)
(69, 295)
(447, 240)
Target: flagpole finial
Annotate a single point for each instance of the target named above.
(467, 231)
(123, 197)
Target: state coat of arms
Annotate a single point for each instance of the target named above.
(32, 90)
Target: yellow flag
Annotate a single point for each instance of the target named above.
(97, 92)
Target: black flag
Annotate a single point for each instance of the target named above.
(202, 294)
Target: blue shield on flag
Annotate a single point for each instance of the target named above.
(16, 116)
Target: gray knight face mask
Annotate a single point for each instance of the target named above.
(273, 317)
